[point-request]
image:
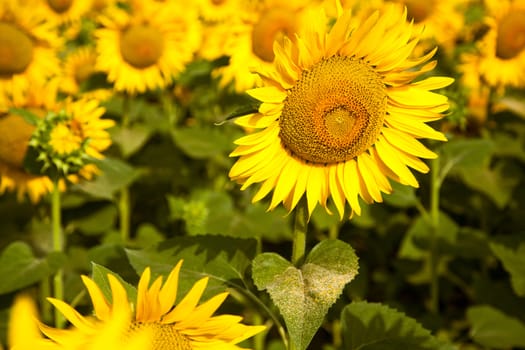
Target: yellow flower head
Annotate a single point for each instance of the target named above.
(144, 48)
(24, 331)
(27, 51)
(181, 326)
(340, 114)
(502, 49)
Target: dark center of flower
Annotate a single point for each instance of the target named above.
(419, 10)
(218, 2)
(334, 112)
(13, 144)
(511, 35)
(141, 46)
(60, 6)
(165, 336)
(272, 25)
(16, 50)
(84, 71)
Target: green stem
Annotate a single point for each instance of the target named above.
(45, 291)
(58, 246)
(299, 232)
(124, 215)
(435, 183)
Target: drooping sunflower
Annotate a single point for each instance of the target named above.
(28, 46)
(146, 47)
(502, 49)
(340, 114)
(252, 38)
(24, 330)
(183, 326)
(14, 145)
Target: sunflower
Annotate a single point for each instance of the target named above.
(28, 46)
(185, 325)
(145, 47)
(14, 145)
(252, 39)
(502, 49)
(340, 114)
(24, 330)
(78, 69)
(61, 12)
(219, 10)
(440, 22)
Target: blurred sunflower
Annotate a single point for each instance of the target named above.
(219, 10)
(145, 47)
(502, 49)
(78, 69)
(440, 22)
(24, 330)
(14, 145)
(341, 114)
(251, 44)
(28, 46)
(61, 12)
(183, 326)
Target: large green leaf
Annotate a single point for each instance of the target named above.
(461, 154)
(19, 268)
(224, 259)
(374, 326)
(304, 295)
(115, 174)
(130, 139)
(514, 262)
(492, 328)
(200, 142)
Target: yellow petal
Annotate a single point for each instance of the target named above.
(100, 304)
(168, 292)
(187, 304)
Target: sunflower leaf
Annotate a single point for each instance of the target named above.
(494, 329)
(225, 260)
(100, 277)
(373, 326)
(304, 295)
(514, 262)
(19, 268)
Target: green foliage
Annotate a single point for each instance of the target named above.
(19, 268)
(304, 295)
(494, 329)
(514, 263)
(373, 326)
(224, 260)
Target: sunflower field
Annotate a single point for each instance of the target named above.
(262, 174)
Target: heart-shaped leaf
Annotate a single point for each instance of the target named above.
(304, 295)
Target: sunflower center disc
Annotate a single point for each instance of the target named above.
(84, 71)
(60, 6)
(141, 46)
(334, 112)
(272, 25)
(511, 35)
(419, 10)
(13, 144)
(16, 50)
(165, 336)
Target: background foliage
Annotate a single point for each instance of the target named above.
(460, 286)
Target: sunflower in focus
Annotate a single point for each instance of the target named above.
(341, 114)
(184, 326)
(146, 47)
(28, 46)
(78, 69)
(502, 49)
(24, 330)
(251, 44)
